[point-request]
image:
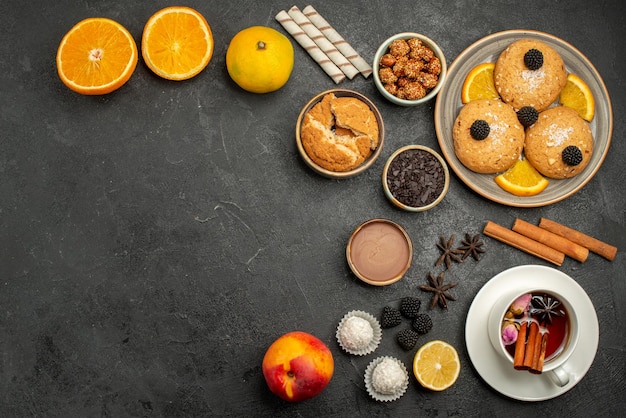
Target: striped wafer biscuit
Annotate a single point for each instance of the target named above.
(309, 46)
(338, 41)
(324, 44)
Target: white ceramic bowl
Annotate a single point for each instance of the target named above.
(383, 49)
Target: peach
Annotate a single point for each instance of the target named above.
(297, 366)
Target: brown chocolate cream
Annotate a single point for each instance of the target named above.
(380, 252)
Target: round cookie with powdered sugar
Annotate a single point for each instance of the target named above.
(488, 137)
(559, 145)
(529, 73)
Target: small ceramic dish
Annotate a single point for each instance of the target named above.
(379, 252)
(415, 178)
(384, 48)
(363, 166)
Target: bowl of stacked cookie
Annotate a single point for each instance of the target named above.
(339, 133)
(409, 69)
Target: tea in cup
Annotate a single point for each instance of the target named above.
(536, 331)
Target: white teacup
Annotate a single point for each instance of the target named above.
(553, 365)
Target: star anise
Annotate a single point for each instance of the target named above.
(448, 253)
(439, 290)
(471, 245)
(545, 308)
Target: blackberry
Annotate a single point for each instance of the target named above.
(533, 59)
(422, 323)
(479, 129)
(407, 338)
(527, 115)
(572, 155)
(409, 306)
(390, 317)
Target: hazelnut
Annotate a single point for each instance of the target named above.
(387, 60)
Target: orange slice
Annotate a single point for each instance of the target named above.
(177, 43)
(522, 179)
(577, 95)
(96, 56)
(436, 365)
(478, 83)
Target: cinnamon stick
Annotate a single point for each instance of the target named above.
(559, 243)
(531, 344)
(540, 353)
(523, 243)
(592, 244)
(520, 347)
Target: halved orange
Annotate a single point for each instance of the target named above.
(436, 365)
(479, 84)
(177, 43)
(96, 56)
(577, 95)
(522, 179)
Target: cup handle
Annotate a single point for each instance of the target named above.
(560, 376)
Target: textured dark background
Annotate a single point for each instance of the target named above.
(155, 241)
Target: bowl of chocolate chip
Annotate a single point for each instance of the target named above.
(415, 178)
(409, 69)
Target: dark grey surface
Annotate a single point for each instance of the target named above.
(156, 240)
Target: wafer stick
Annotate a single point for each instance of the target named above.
(338, 41)
(594, 245)
(559, 243)
(523, 243)
(309, 46)
(324, 44)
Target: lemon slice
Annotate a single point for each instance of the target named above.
(436, 365)
(522, 179)
(479, 84)
(577, 95)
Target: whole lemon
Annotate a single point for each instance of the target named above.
(259, 59)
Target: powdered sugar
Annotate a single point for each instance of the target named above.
(557, 135)
(533, 78)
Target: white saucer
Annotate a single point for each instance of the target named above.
(497, 371)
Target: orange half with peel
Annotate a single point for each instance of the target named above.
(177, 43)
(97, 56)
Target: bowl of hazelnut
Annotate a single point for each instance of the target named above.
(409, 69)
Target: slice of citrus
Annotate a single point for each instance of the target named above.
(96, 56)
(436, 365)
(177, 43)
(522, 179)
(577, 95)
(479, 84)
